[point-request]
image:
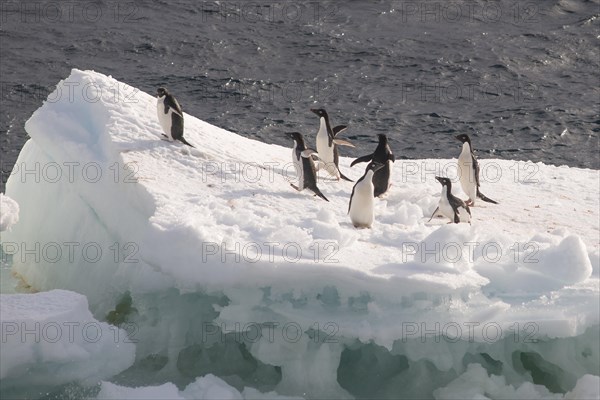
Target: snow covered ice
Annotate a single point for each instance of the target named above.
(9, 212)
(224, 269)
(51, 338)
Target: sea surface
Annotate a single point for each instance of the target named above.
(521, 77)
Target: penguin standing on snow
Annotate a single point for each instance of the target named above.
(305, 166)
(327, 145)
(170, 116)
(382, 155)
(362, 200)
(451, 206)
(468, 169)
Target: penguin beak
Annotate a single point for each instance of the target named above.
(458, 137)
(315, 111)
(438, 179)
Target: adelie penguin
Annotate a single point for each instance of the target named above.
(305, 166)
(327, 144)
(451, 206)
(170, 116)
(382, 155)
(362, 201)
(468, 169)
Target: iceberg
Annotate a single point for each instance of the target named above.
(208, 387)
(215, 265)
(51, 338)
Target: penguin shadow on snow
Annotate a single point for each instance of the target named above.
(268, 194)
(150, 144)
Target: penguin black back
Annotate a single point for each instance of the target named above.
(308, 174)
(173, 125)
(382, 155)
(454, 201)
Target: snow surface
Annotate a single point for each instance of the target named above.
(222, 220)
(51, 338)
(9, 212)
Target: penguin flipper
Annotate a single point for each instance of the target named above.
(434, 212)
(294, 186)
(350, 202)
(171, 102)
(339, 129)
(342, 142)
(392, 157)
(176, 126)
(366, 158)
(476, 169)
(308, 153)
(485, 198)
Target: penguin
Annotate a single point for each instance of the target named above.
(382, 155)
(170, 116)
(362, 199)
(305, 166)
(327, 144)
(451, 206)
(468, 168)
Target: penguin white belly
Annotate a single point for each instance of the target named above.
(468, 181)
(447, 211)
(164, 120)
(326, 154)
(362, 211)
(445, 207)
(390, 165)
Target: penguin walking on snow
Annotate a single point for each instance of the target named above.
(382, 155)
(170, 116)
(362, 200)
(305, 166)
(327, 145)
(451, 206)
(468, 168)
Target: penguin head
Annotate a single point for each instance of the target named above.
(463, 138)
(297, 136)
(320, 112)
(382, 138)
(443, 181)
(161, 91)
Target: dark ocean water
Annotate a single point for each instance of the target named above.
(522, 78)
